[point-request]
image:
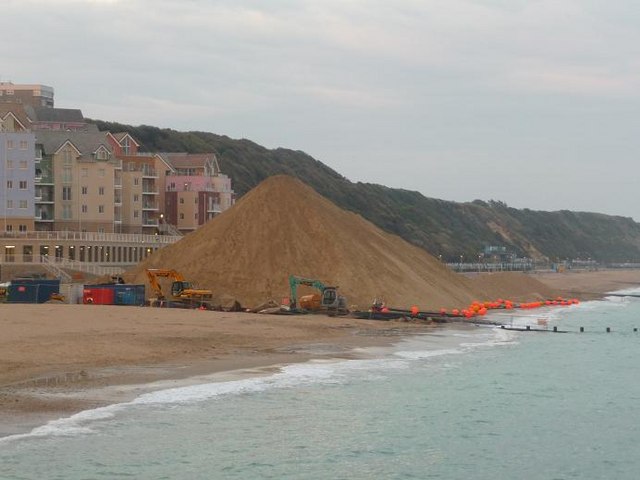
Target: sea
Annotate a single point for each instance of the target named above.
(474, 403)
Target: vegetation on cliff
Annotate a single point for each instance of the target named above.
(443, 228)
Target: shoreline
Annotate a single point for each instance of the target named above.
(57, 393)
(57, 360)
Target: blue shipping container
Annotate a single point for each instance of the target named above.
(129, 295)
(32, 290)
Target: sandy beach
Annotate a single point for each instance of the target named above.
(59, 359)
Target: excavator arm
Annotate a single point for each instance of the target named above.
(154, 273)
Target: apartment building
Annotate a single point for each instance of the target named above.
(196, 190)
(34, 95)
(71, 192)
(79, 183)
(143, 183)
(17, 160)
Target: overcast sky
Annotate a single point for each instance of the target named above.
(535, 103)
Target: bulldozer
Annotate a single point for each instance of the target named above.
(327, 301)
(183, 294)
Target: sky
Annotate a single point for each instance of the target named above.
(534, 103)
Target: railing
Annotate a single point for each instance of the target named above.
(55, 269)
(87, 267)
(169, 229)
(491, 267)
(55, 265)
(92, 237)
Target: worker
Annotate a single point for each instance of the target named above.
(414, 311)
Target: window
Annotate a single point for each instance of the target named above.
(66, 157)
(66, 175)
(22, 228)
(10, 144)
(85, 209)
(23, 164)
(84, 172)
(9, 184)
(101, 172)
(135, 214)
(100, 190)
(9, 163)
(126, 146)
(23, 185)
(9, 228)
(23, 204)
(9, 203)
(196, 202)
(66, 193)
(182, 216)
(23, 144)
(85, 190)
(39, 153)
(100, 208)
(136, 181)
(66, 212)
(181, 200)
(196, 216)
(136, 197)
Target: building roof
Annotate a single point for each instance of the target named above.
(18, 111)
(188, 160)
(86, 142)
(48, 114)
(120, 135)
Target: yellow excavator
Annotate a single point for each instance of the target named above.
(327, 300)
(183, 295)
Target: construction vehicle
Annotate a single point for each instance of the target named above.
(57, 297)
(327, 300)
(183, 295)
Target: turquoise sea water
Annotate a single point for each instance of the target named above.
(457, 404)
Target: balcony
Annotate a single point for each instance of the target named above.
(214, 208)
(149, 172)
(150, 206)
(149, 222)
(43, 217)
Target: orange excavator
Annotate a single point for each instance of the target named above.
(183, 294)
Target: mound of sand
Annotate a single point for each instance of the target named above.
(284, 227)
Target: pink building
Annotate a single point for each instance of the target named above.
(196, 190)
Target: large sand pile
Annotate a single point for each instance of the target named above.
(284, 227)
